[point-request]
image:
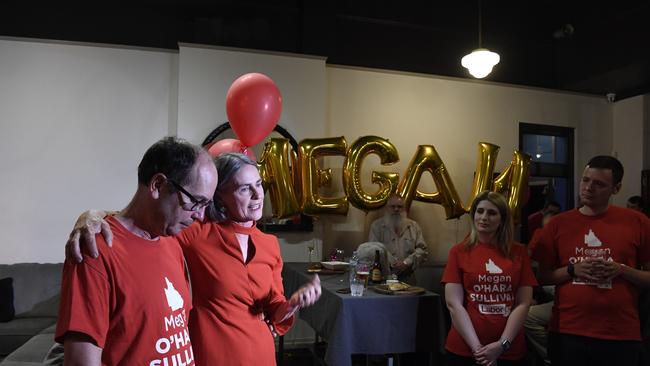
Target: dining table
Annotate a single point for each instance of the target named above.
(372, 324)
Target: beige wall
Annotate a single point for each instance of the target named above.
(627, 139)
(206, 73)
(452, 115)
(77, 118)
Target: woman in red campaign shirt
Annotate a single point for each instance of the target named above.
(488, 288)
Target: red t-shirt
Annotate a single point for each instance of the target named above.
(535, 221)
(230, 296)
(605, 310)
(534, 240)
(133, 301)
(490, 282)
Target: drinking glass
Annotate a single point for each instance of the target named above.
(356, 287)
(363, 272)
(310, 247)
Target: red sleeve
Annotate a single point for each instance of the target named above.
(643, 252)
(276, 297)
(452, 272)
(85, 300)
(545, 251)
(534, 240)
(527, 276)
(186, 236)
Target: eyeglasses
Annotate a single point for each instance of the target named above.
(197, 204)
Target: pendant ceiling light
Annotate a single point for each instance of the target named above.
(481, 61)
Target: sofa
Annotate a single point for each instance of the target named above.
(27, 338)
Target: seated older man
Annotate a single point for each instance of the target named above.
(402, 238)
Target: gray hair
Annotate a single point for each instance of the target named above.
(228, 164)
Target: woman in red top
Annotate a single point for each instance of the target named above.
(235, 271)
(488, 289)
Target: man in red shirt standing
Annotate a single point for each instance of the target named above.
(597, 256)
(536, 219)
(130, 305)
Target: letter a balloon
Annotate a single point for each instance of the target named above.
(253, 106)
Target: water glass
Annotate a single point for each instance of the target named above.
(356, 287)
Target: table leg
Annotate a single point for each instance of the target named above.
(316, 359)
(279, 358)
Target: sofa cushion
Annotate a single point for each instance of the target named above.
(26, 326)
(7, 311)
(55, 356)
(46, 308)
(20, 330)
(33, 283)
(33, 350)
(49, 330)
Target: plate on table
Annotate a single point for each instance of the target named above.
(320, 269)
(336, 265)
(400, 288)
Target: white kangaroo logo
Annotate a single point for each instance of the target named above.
(491, 267)
(592, 240)
(174, 299)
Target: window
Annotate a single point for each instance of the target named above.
(551, 170)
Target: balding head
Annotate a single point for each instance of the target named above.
(176, 182)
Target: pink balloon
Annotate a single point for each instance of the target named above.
(253, 105)
(230, 145)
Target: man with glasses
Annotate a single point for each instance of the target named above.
(597, 256)
(129, 305)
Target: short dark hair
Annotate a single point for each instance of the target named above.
(636, 200)
(608, 162)
(171, 156)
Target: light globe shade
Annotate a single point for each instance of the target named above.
(480, 62)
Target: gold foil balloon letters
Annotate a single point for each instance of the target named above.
(309, 151)
(387, 182)
(426, 159)
(275, 171)
(293, 179)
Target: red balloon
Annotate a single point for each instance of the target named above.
(253, 105)
(230, 145)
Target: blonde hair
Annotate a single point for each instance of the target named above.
(505, 231)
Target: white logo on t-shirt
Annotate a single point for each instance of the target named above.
(491, 267)
(592, 240)
(174, 299)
